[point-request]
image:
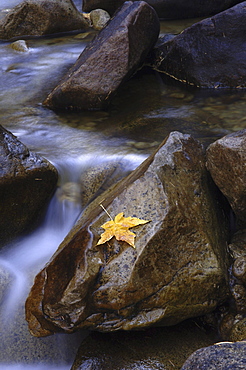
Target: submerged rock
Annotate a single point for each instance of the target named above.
(226, 159)
(218, 357)
(178, 269)
(210, 53)
(38, 18)
(113, 56)
(27, 182)
(175, 9)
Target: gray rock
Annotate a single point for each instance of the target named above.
(226, 159)
(95, 180)
(112, 57)
(221, 356)
(38, 18)
(27, 182)
(177, 270)
(209, 54)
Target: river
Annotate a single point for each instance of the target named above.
(145, 110)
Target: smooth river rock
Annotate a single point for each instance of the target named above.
(226, 160)
(112, 57)
(178, 269)
(41, 17)
(168, 9)
(209, 54)
(27, 182)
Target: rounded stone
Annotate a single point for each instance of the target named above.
(239, 268)
(99, 18)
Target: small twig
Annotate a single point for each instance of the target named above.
(106, 212)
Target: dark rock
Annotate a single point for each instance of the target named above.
(155, 348)
(26, 184)
(220, 356)
(226, 159)
(178, 269)
(209, 54)
(113, 56)
(38, 18)
(174, 9)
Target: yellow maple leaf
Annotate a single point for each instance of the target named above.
(119, 227)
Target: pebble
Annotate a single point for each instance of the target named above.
(20, 45)
(99, 18)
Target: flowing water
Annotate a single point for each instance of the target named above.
(145, 110)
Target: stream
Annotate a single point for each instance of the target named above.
(146, 109)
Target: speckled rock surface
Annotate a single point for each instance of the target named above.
(27, 182)
(221, 356)
(38, 18)
(115, 286)
(226, 160)
(112, 57)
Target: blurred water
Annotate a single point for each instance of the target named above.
(146, 109)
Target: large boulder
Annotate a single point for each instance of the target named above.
(169, 9)
(220, 356)
(109, 59)
(27, 182)
(41, 17)
(209, 54)
(177, 270)
(226, 160)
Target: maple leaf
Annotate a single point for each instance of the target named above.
(119, 227)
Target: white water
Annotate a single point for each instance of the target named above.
(22, 260)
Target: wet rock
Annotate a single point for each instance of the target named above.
(175, 9)
(115, 286)
(113, 56)
(26, 184)
(226, 162)
(155, 348)
(208, 54)
(219, 356)
(38, 18)
(99, 18)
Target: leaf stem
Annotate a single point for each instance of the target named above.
(106, 212)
